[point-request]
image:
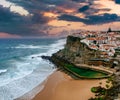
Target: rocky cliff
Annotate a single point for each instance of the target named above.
(79, 53)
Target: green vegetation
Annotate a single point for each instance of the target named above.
(100, 93)
(100, 90)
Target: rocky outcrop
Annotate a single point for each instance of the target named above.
(46, 57)
(79, 53)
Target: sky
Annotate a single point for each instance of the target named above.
(41, 18)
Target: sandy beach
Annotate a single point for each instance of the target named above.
(62, 87)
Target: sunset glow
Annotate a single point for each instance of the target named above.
(114, 8)
(6, 35)
(42, 18)
(59, 49)
(50, 14)
(69, 10)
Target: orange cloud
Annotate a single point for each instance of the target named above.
(69, 10)
(69, 27)
(50, 14)
(110, 4)
(66, 10)
(6, 35)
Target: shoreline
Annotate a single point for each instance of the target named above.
(30, 94)
(60, 86)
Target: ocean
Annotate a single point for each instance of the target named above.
(21, 67)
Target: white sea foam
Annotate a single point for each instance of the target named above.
(19, 87)
(25, 75)
(22, 46)
(57, 45)
(3, 71)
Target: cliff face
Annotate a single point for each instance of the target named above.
(77, 52)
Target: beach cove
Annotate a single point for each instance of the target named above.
(72, 80)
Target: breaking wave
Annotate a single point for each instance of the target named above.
(25, 74)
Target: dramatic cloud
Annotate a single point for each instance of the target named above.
(90, 20)
(84, 8)
(14, 23)
(79, 0)
(70, 18)
(32, 17)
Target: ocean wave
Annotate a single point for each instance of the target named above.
(57, 44)
(3, 71)
(56, 47)
(30, 70)
(19, 87)
(15, 82)
(23, 46)
(25, 65)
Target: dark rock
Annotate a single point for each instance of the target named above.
(33, 57)
(46, 57)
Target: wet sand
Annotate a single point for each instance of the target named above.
(60, 86)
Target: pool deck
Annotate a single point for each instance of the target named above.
(98, 68)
